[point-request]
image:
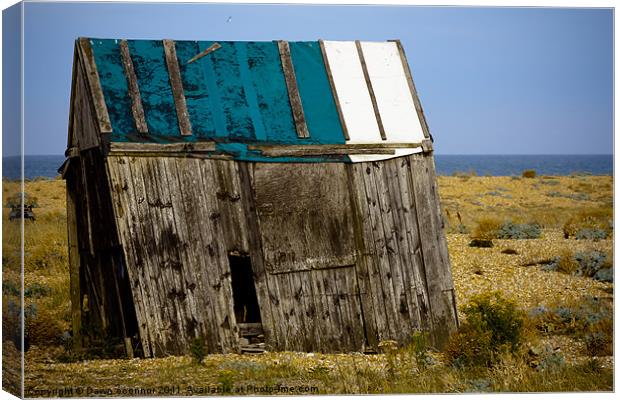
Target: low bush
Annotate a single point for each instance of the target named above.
(543, 357)
(493, 326)
(605, 275)
(486, 229)
(567, 263)
(590, 320)
(42, 328)
(529, 173)
(198, 349)
(510, 230)
(591, 234)
(589, 263)
(589, 224)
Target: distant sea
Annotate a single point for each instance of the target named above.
(494, 165)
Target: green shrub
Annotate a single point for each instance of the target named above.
(543, 357)
(529, 173)
(590, 321)
(419, 347)
(42, 328)
(590, 262)
(591, 234)
(604, 275)
(198, 349)
(492, 327)
(593, 220)
(510, 230)
(470, 345)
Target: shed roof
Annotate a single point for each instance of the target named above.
(242, 96)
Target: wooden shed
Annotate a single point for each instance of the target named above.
(231, 190)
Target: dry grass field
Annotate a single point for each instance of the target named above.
(558, 286)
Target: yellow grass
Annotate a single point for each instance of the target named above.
(549, 201)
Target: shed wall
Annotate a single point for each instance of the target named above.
(178, 219)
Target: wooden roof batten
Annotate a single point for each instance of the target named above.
(293, 91)
(209, 147)
(176, 84)
(371, 91)
(137, 110)
(412, 89)
(94, 84)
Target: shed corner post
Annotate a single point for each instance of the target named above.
(74, 265)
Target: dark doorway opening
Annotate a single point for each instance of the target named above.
(244, 292)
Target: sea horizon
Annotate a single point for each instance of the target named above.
(46, 165)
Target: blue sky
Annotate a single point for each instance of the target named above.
(491, 80)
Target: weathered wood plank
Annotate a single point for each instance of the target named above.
(440, 292)
(256, 253)
(101, 110)
(85, 125)
(391, 228)
(150, 254)
(418, 296)
(121, 187)
(337, 336)
(330, 77)
(87, 206)
(322, 312)
(203, 53)
(298, 302)
(350, 305)
(322, 152)
(74, 77)
(183, 210)
(412, 89)
(200, 289)
(403, 224)
(361, 265)
(371, 91)
(162, 148)
(232, 216)
(176, 84)
(382, 252)
(368, 261)
(348, 146)
(134, 91)
(213, 260)
(121, 310)
(224, 300)
(293, 91)
(278, 309)
(314, 336)
(166, 244)
(74, 264)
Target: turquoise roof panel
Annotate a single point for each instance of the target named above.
(198, 97)
(315, 92)
(151, 71)
(267, 81)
